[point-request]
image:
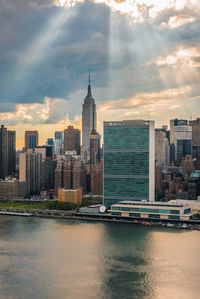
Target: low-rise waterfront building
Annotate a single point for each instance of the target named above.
(74, 196)
(157, 210)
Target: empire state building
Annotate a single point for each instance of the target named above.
(88, 118)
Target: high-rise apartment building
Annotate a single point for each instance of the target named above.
(88, 118)
(129, 158)
(31, 139)
(30, 171)
(72, 140)
(3, 152)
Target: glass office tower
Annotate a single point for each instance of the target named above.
(129, 156)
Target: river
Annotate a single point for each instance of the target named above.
(57, 258)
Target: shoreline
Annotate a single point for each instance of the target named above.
(179, 224)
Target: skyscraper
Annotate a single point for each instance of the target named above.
(94, 147)
(88, 118)
(58, 144)
(72, 140)
(3, 152)
(31, 139)
(161, 148)
(181, 137)
(129, 158)
(11, 152)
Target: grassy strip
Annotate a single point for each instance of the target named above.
(49, 205)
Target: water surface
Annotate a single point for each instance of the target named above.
(57, 258)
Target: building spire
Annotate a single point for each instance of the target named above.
(89, 95)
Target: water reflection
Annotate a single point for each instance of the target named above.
(46, 258)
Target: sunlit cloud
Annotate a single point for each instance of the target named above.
(160, 106)
(178, 21)
(147, 102)
(138, 9)
(181, 57)
(50, 111)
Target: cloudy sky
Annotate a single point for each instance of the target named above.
(143, 55)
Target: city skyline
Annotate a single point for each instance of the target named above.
(143, 59)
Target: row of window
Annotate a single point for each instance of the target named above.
(146, 210)
(126, 187)
(126, 163)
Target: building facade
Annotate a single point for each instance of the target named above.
(171, 211)
(12, 189)
(73, 196)
(129, 158)
(96, 178)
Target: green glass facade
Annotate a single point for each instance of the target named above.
(126, 162)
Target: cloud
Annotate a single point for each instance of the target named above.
(189, 57)
(179, 20)
(147, 101)
(51, 111)
(139, 10)
(160, 106)
(137, 64)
